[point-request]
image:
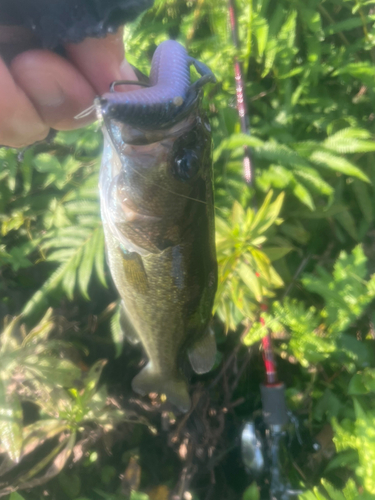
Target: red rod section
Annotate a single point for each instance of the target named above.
(268, 357)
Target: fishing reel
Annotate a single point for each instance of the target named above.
(266, 444)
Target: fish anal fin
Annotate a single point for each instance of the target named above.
(127, 328)
(202, 353)
(174, 387)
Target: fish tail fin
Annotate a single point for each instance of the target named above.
(202, 353)
(174, 387)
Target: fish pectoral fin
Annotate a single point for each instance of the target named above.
(127, 328)
(173, 386)
(202, 353)
(135, 272)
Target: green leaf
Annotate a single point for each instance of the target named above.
(137, 495)
(251, 493)
(267, 213)
(45, 162)
(16, 496)
(261, 34)
(357, 386)
(251, 281)
(311, 18)
(347, 221)
(350, 140)
(70, 484)
(276, 253)
(39, 432)
(333, 493)
(39, 298)
(99, 257)
(363, 199)
(117, 333)
(338, 164)
(56, 459)
(311, 177)
(69, 277)
(363, 70)
(86, 267)
(10, 423)
(304, 196)
(347, 24)
(7, 341)
(61, 373)
(91, 379)
(237, 141)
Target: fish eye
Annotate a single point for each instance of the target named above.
(186, 166)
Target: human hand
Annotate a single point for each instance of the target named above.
(40, 89)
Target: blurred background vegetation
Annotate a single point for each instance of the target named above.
(308, 252)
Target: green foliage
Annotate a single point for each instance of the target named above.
(346, 293)
(309, 85)
(54, 217)
(32, 370)
(328, 492)
(314, 333)
(245, 250)
(251, 493)
(318, 335)
(360, 436)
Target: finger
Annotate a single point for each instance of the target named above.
(56, 88)
(20, 123)
(102, 61)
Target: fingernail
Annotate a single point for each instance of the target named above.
(44, 90)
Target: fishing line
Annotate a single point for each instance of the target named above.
(85, 112)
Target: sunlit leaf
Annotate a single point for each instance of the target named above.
(10, 423)
(117, 333)
(338, 164)
(251, 493)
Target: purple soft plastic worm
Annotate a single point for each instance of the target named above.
(159, 103)
(169, 78)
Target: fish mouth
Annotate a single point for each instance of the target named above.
(148, 116)
(121, 133)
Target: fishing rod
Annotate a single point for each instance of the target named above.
(243, 113)
(265, 440)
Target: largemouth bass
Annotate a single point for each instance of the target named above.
(158, 217)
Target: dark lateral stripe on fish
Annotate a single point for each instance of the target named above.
(159, 103)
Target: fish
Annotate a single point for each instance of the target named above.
(157, 208)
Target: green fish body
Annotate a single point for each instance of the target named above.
(158, 217)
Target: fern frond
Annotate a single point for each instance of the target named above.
(338, 164)
(81, 255)
(350, 140)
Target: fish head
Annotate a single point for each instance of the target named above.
(154, 180)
